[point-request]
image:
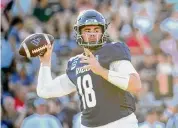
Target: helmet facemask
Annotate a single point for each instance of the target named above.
(90, 18)
(101, 39)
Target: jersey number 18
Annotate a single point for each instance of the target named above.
(88, 95)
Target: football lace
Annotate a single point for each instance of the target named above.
(39, 49)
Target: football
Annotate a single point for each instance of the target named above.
(35, 45)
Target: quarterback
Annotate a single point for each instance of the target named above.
(103, 76)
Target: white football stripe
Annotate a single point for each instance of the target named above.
(47, 39)
(26, 50)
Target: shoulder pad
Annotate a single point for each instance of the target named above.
(113, 52)
(75, 57)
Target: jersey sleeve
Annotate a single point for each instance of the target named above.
(114, 52)
(123, 67)
(71, 66)
(48, 87)
(119, 73)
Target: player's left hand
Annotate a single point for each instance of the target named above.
(92, 62)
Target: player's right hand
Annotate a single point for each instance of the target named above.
(46, 58)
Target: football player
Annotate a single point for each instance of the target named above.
(103, 76)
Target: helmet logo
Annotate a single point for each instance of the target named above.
(91, 20)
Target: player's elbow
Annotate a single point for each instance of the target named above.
(134, 83)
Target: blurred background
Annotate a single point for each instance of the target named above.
(148, 27)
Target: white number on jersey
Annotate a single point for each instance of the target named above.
(88, 97)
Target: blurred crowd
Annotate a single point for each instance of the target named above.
(148, 27)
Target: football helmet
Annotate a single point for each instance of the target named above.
(90, 17)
